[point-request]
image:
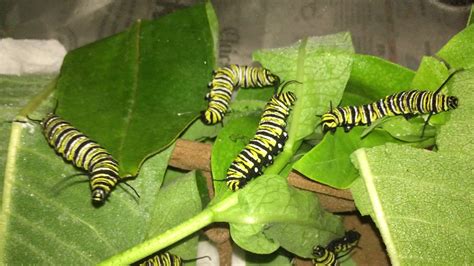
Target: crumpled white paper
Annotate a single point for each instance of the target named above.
(19, 57)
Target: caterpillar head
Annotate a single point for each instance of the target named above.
(329, 122)
(319, 251)
(452, 102)
(274, 79)
(98, 196)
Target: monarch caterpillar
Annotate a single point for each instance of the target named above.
(164, 259)
(332, 252)
(83, 153)
(407, 103)
(267, 143)
(225, 80)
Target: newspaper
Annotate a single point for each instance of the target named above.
(399, 30)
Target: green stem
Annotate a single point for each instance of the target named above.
(172, 235)
(294, 141)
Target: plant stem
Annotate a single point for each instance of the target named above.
(172, 235)
(294, 141)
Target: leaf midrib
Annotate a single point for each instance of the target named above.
(133, 94)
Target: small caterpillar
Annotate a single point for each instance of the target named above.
(225, 80)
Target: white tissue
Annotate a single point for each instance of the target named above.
(19, 57)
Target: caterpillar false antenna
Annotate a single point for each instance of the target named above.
(128, 185)
(284, 84)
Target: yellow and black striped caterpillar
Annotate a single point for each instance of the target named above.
(407, 103)
(336, 249)
(83, 153)
(164, 259)
(225, 80)
(269, 139)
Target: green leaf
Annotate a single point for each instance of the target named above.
(259, 94)
(16, 91)
(405, 188)
(246, 107)
(329, 162)
(409, 130)
(373, 78)
(270, 214)
(455, 136)
(137, 90)
(252, 238)
(457, 52)
(430, 75)
(199, 131)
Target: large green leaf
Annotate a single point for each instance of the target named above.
(136, 91)
(421, 200)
